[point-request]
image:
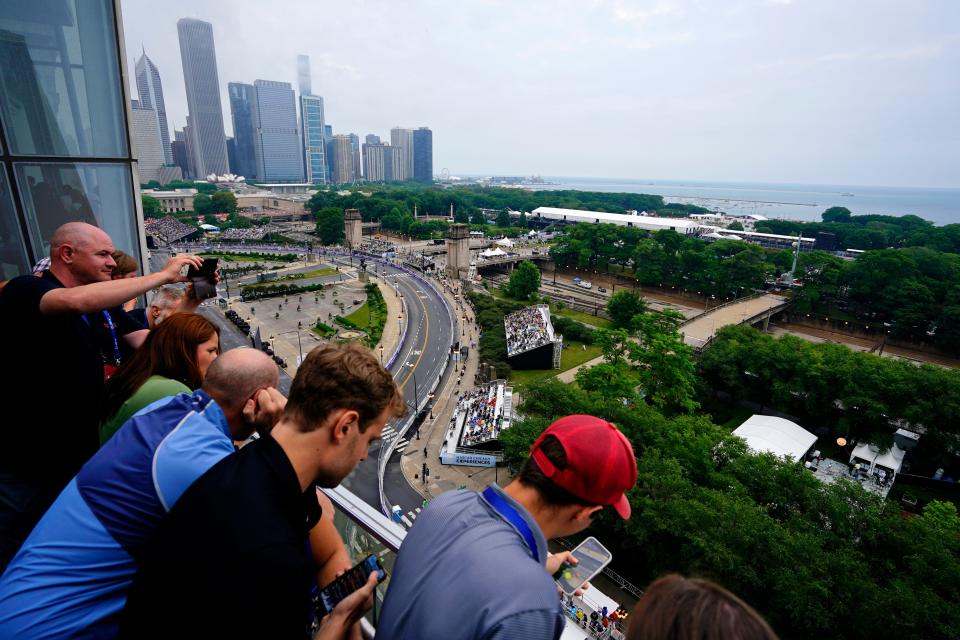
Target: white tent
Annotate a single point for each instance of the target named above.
(493, 253)
(504, 242)
(777, 436)
(891, 460)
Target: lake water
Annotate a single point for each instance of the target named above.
(795, 201)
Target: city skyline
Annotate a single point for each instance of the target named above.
(751, 90)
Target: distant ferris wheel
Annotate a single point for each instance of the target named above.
(444, 174)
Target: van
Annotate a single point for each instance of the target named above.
(585, 284)
(577, 281)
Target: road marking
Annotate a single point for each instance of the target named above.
(426, 341)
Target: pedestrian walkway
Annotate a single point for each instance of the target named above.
(390, 434)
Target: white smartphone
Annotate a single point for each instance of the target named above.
(592, 556)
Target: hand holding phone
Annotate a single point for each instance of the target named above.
(351, 581)
(204, 279)
(592, 558)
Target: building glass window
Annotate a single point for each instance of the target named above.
(13, 257)
(60, 89)
(97, 193)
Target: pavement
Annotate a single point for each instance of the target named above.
(701, 329)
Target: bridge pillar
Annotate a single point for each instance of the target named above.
(458, 251)
(352, 228)
(766, 322)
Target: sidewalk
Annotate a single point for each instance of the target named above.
(432, 433)
(390, 339)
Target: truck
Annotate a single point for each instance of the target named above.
(585, 284)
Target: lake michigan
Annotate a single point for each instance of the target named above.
(780, 200)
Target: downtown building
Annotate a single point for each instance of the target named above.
(403, 139)
(343, 159)
(423, 155)
(205, 135)
(147, 146)
(381, 162)
(278, 150)
(243, 113)
(312, 126)
(150, 92)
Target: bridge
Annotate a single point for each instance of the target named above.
(699, 332)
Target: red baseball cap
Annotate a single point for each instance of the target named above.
(601, 466)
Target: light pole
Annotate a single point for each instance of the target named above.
(416, 393)
(430, 400)
(381, 355)
(400, 323)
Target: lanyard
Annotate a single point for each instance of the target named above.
(113, 334)
(506, 510)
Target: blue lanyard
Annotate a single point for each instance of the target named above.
(113, 334)
(505, 509)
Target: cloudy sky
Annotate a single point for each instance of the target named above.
(804, 91)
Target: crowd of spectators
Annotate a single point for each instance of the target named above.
(253, 233)
(527, 329)
(169, 229)
(482, 409)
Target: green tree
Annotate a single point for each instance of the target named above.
(330, 225)
(523, 220)
(623, 306)
(524, 281)
(151, 206)
(503, 218)
(462, 216)
(836, 214)
(735, 226)
(224, 202)
(477, 218)
(202, 204)
(211, 219)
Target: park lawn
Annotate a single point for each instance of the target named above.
(247, 257)
(586, 318)
(574, 355)
(360, 317)
(319, 273)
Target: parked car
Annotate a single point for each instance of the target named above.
(602, 289)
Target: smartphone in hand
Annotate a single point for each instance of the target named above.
(592, 556)
(204, 279)
(350, 581)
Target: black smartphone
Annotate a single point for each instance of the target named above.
(352, 580)
(592, 556)
(204, 278)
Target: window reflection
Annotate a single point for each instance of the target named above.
(13, 258)
(57, 193)
(59, 79)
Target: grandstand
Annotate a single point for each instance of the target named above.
(169, 229)
(481, 415)
(531, 340)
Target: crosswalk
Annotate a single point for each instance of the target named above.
(409, 517)
(390, 434)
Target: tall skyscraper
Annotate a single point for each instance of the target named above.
(392, 163)
(208, 144)
(372, 139)
(311, 126)
(343, 165)
(423, 155)
(150, 91)
(279, 157)
(328, 147)
(403, 138)
(373, 157)
(146, 142)
(355, 155)
(243, 112)
(179, 150)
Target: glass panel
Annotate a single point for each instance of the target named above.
(13, 258)
(56, 193)
(60, 91)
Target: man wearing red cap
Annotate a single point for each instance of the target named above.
(475, 565)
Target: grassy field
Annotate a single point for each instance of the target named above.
(319, 273)
(360, 317)
(248, 257)
(579, 316)
(572, 356)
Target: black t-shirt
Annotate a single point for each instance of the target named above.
(239, 534)
(53, 372)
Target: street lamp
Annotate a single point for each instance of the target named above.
(430, 400)
(381, 355)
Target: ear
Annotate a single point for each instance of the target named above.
(66, 253)
(343, 421)
(583, 514)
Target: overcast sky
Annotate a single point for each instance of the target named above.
(803, 91)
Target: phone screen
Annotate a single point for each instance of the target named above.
(352, 580)
(204, 278)
(593, 557)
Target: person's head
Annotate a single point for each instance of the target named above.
(126, 266)
(164, 302)
(182, 349)
(342, 393)
(579, 465)
(81, 253)
(235, 379)
(678, 608)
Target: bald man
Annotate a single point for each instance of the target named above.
(55, 369)
(71, 576)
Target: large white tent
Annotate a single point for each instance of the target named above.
(493, 253)
(777, 436)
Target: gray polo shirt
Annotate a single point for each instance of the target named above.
(465, 572)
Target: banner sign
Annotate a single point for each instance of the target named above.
(468, 459)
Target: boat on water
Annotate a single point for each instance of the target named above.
(847, 195)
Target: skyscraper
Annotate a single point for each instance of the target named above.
(343, 165)
(403, 138)
(311, 126)
(179, 150)
(243, 112)
(355, 155)
(146, 141)
(423, 155)
(373, 157)
(150, 91)
(279, 157)
(208, 144)
(328, 147)
(372, 139)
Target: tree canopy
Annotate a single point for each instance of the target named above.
(330, 225)
(524, 281)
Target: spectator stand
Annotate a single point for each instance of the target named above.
(168, 230)
(531, 340)
(481, 415)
